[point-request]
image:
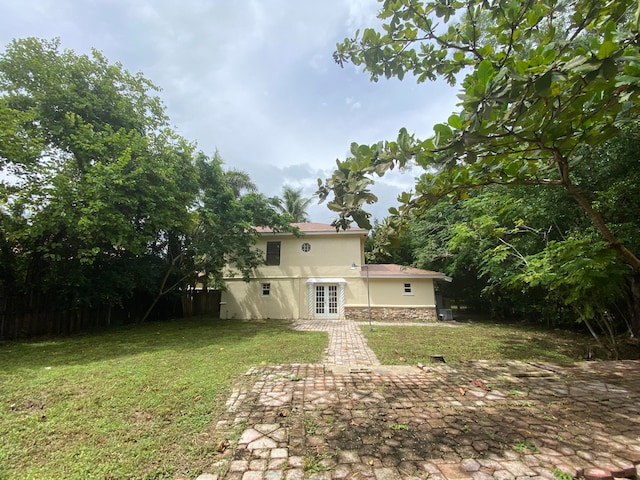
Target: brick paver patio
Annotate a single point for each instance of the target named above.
(353, 418)
(347, 345)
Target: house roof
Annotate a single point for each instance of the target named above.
(313, 227)
(391, 270)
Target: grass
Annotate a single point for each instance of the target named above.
(525, 447)
(474, 341)
(137, 402)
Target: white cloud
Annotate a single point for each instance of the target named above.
(362, 13)
(352, 104)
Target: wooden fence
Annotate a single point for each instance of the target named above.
(198, 302)
(27, 316)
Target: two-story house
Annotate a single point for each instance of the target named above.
(322, 274)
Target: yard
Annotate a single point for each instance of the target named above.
(130, 403)
(141, 402)
(481, 340)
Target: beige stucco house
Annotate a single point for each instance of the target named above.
(321, 274)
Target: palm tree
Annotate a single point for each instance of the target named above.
(294, 204)
(239, 181)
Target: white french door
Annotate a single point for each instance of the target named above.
(326, 301)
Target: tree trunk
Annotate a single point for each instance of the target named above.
(594, 334)
(163, 291)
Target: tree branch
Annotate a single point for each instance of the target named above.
(517, 253)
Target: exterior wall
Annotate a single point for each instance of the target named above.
(388, 300)
(329, 260)
(391, 314)
(245, 300)
(387, 292)
(289, 298)
(330, 257)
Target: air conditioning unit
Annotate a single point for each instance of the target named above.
(445, 314)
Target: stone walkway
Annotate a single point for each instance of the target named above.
(347, 346)
(352, 418)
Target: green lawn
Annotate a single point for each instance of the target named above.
(136, 402)
(474, 341)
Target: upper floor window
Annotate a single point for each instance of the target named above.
(306, 247)
(407, 289)
(273, 253)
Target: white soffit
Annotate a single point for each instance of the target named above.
(326, 280)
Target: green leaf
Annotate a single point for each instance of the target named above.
(459, 56)
(363, 151)
(575, 62)
(543, 83)
(404, 197)
(369, 35)
(609, 69)
(404, 140)
(484, 72)
(606, 50)
(511, 169)
(443, 130)
(455, 121)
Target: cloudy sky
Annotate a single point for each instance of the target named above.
(254, 79)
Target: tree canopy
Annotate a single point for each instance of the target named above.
(101, 200)
(240, 182)
(541, 79)
(541, 83)
(293, 204)
(528, 251)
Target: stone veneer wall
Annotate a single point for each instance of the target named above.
(389, 314)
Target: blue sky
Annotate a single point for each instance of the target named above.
(254, 79)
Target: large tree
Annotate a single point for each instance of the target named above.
(222, 231)
(541, 82)
(96, 177)
(100, 199)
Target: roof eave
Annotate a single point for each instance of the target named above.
(316, 233)
(435, 276)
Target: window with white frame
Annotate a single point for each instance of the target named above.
(266, 289)
(407, 289)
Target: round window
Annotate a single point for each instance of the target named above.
(306, 247)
